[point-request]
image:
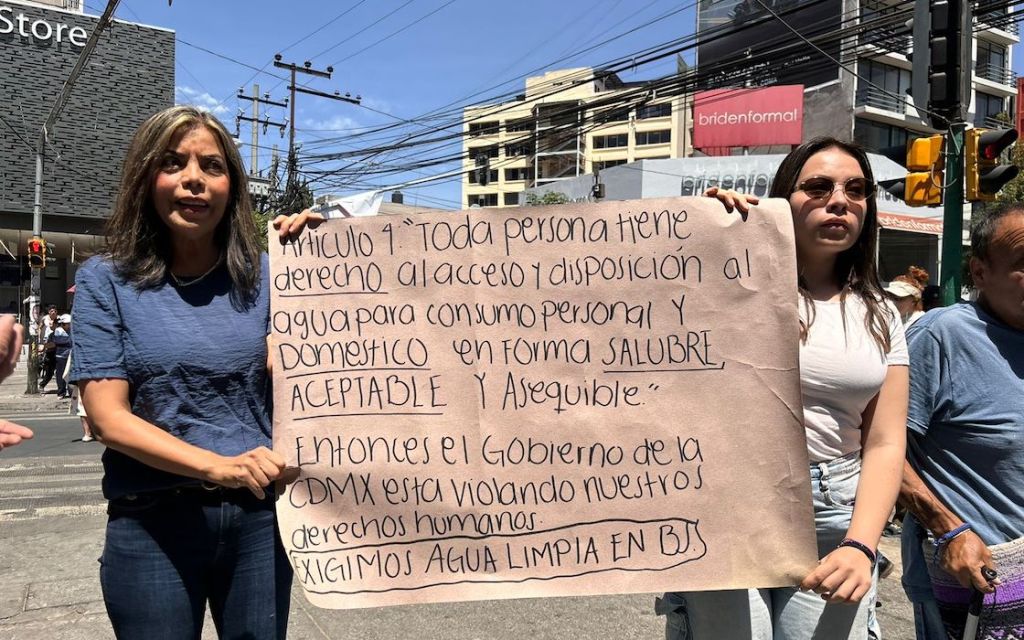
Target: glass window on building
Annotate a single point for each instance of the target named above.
(875, 136)
(524, 124)
(992, 63)
(601, 165)
(888, 88)
(483, 128)
(986, 108)
(518, 149)
(654, 111)
(483, 199)
(518, 173)
(615, 114)
(490, 152)
(492, 176)
(662, 136)
(612, 141)
(510, 199)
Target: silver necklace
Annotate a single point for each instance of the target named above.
(189, 283)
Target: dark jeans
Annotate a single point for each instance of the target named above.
(47, 365)
(169, 553)
(62, 384)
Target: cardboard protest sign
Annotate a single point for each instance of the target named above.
(542, 401)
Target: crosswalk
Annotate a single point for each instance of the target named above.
(34, 488)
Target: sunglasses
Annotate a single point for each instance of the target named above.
(820, 188)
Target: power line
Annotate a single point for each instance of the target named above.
(394, 33)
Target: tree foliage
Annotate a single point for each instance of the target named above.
(549, 197)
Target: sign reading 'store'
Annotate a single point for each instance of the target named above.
(748, 117)
(39, 29)
(542, 401)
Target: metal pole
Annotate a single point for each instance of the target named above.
(35, 285)
(254, 169)
(953, 215)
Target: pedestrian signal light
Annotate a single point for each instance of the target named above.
(36, 253)
(985, 175)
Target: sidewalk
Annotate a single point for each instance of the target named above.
(51, 535)
(13, 398)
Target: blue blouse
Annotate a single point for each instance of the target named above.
(195, 363)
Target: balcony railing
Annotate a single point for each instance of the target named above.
(990, 122)
(878, 99)
(999, 20)
(996, 73)
(889, 40)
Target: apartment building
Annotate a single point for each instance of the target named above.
(568, 123)
(882, 120)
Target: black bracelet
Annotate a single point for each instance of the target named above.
(860, 546)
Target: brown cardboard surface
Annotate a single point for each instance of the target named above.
(542, 401)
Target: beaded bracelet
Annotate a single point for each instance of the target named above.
(860, 546)
(946, 538)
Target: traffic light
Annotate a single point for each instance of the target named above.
(985, 176)
(924, 161)
(942, 59)
(483, 168)
(948, 60)
(36, 253)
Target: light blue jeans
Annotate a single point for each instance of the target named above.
(782, 613)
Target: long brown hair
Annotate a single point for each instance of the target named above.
(855, 268)
(138, 241)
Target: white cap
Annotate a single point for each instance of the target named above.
(900, 289)
(64, 318)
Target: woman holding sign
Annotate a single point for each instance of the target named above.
(854, 382)
(171, 357)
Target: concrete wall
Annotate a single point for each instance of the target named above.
(129, 77)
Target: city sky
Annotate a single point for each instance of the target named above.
(404, 57)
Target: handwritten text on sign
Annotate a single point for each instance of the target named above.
(564, 400)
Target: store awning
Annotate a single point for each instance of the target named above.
(905, 222)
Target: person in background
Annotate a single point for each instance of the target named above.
(906, 291)
(47, 349)
(853, 377)
(171, 356)
(77, 406)
(963, 485)
(61, 339)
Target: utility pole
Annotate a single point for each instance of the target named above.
(307, 68)
(37, 206)
(255, 121)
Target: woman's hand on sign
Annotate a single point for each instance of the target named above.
(254, 470)
(964, 557)
(291, 226)
(733, 200)
(843, 576)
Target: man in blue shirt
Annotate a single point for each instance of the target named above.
(964, 481)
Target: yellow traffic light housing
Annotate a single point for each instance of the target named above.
(925, 166)
(36, 252)
(985, 175)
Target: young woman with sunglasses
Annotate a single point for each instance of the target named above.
(854, 381)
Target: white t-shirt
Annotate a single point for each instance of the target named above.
(840, 372)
